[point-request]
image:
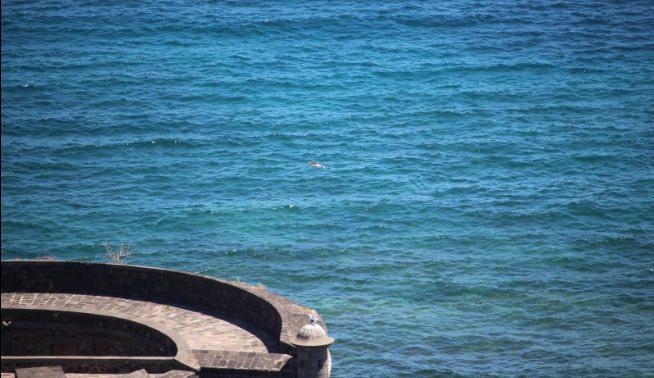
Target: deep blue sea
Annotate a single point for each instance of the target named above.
(488, 203)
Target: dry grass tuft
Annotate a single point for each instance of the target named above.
(118, 256)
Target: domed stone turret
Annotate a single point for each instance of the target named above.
(313, 357)
(312, 334)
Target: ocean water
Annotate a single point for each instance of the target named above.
(487, 207)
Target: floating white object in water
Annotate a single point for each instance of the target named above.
(315, 164)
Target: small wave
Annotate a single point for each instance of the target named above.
(439, 114)
(586, 70)
(593, 158)
(543, 215)
(440, 21)
(211, 98)
(464, 69)
(11, 226)
(140, 143)
(540, 6)
(22, 88)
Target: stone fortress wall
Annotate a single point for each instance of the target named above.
(107, 318)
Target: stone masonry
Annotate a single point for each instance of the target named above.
(216, 328)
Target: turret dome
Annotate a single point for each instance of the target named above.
(312, 334)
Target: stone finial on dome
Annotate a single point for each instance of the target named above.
(312, 334)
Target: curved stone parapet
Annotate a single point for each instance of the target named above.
(87, 340)
(65, 332)
(162, 298)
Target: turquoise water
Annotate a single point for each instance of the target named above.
(487, 206)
